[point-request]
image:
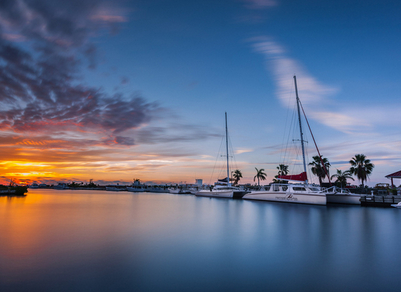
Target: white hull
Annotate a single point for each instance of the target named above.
(215, 194)
(352, 199)
(286, 197)
(135, 190)
(298, 194)
(175, 191)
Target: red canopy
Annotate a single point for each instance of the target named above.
(300, 177)
(394, 175)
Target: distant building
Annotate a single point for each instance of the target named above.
(199, 182)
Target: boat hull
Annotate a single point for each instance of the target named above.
(135, 190)
(351, 199)
(215, 194)
(287, 197)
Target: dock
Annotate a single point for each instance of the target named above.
(379, 201)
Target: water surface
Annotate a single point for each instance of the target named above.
(105, 241)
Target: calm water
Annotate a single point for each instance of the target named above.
(105, 241)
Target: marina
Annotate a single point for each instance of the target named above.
(65, 240)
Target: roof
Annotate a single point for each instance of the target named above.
(394, 175)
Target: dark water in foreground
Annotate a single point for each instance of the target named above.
(106, 241)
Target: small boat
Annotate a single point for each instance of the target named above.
(219, 191)
(179, 190)
(61, 186)
(396, 205)
(115, 189)
(342, 196)
(154, 189)
(136, 189)
(175, 190)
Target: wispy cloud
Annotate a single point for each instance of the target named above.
(283, 68)
(316, 96)
(240, 151)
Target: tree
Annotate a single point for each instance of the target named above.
(260, 175)
(318, 169)
(237, 176)
(282, 169)
(342, 177)
(361, 167)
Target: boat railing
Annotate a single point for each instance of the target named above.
(336, 190)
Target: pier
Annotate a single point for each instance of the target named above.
(379, 201)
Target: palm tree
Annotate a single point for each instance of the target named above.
(361, 167)
(318, 169)
(342, 177)
(282, 169)
(260, 175)
(237, 176)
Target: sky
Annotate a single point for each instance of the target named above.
(118, 90)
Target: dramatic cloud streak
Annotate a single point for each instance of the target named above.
(49, 117)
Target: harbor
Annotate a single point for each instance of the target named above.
(59, 240)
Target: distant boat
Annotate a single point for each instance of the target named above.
(136, 189)
(61, 186)
(303, 193)
(155, 189)
(115, 189)
(179, 190)
(222, 189)
(34, 186)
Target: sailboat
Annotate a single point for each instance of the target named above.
(303, 193)
(222, 189)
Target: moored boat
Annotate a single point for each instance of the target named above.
(136, 189)
(289, 193)
(222, 189)
(342, 196)
(115, 189)
(303, 193)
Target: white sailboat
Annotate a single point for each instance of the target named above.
(222, 189)
(303, 193)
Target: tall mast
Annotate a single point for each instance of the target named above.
(228, 167)
(300, 126)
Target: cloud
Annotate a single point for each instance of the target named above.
(315, 95)
(240, 151)
(39, 88)
(283, 68)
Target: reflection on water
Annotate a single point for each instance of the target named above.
(105, 241)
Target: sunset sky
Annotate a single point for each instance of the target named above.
(116, 90)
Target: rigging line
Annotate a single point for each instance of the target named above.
(320, 156)
(231, 149)
(289, 99)
(215, 162)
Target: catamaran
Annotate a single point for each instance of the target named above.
(222, 189)
(303, 193)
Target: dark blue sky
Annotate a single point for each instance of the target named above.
(162, 74)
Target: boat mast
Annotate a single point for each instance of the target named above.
(300, 126)
(228, 167)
